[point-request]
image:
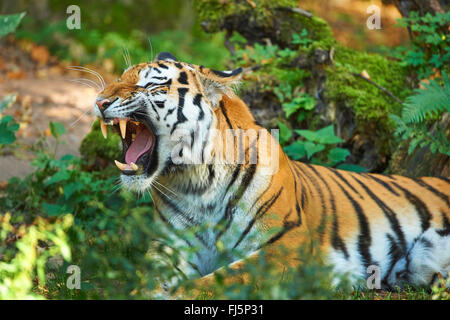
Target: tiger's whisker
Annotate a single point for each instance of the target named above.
(95, 73)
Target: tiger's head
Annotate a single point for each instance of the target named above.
(153, 105)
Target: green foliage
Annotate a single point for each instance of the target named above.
(318, 147)
(8, 127)
(428, 102)
(9, 23)
(96, 44)
(25, 262)
(421, 115)
(109, 237)
(429, 50)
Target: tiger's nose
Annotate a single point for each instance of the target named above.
(102, 104)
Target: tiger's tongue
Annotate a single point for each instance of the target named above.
(141, 144)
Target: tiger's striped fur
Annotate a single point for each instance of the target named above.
(397, 223)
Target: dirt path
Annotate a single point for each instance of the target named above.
(40, 101)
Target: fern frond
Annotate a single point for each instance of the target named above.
(427, 102)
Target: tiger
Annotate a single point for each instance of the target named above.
(398, 224)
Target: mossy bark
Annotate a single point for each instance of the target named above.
(358, 109)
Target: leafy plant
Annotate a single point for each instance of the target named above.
(421, 115)
(23, 264)
(429, 50)
(317, 147)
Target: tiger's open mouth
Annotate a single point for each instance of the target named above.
(138, 141)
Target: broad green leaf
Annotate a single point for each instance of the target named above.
(8, 127)
(9, 23)
(58, 177)
(285, 133)
(324, 135)
(57, 129)
(52, 209)
(311, 148)
(337, 155)
(71, 188)
(295, 150)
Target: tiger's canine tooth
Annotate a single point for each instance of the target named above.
(120, 165)
(103, 128)
(134, 166)
(123, 127)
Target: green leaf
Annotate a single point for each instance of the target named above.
(351, 167)
(58, 177)
(311, 148)
(427, 102)
(296, 150)
(9, 23)
(290, 108)
(57, 129)
(337, 155)
(285, 133)
(71, 188)
(325, 135)
(52, 209)
(8, 127)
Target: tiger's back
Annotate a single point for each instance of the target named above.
(398, 224)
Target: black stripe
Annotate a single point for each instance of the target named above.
(187, 220)
(336, 240)
(157, 85)
(304, 195)
(395, 253)
(169, 112)
(159, 78)
(323, 213)
(180, 116)
(231, 206)
(178, 65)
(445, 231)
(383, 183)
(388, 212)
(420, 206)
(183, 78)
(234, 176)
(364, 238)
(198, 102)
(163, 66)
(259, 213)
(288, 225)
(339, 175)
(433, 190)
(224, 112)
(159, 103)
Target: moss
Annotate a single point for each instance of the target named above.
(99, 151)
(368, 103)
(261, 21)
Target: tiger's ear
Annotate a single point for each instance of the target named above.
(166, 56)
(216, 83)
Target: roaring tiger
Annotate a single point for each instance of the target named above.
(398, 224)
